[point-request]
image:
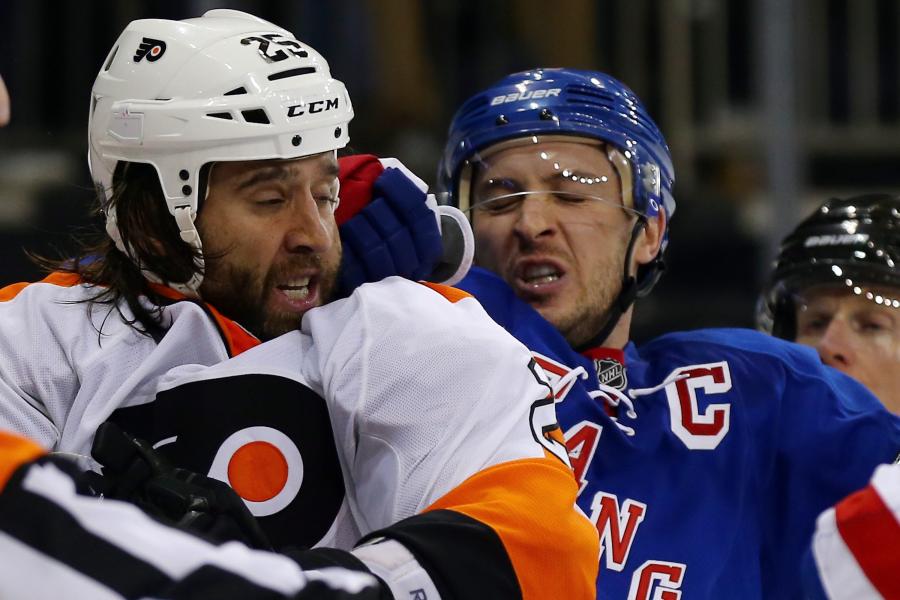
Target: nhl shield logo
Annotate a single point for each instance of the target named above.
(611, 372)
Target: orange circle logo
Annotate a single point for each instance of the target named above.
(263, 466)
(257, 471)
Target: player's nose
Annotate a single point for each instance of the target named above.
(308, 228)
(535, 217)
(835, 347)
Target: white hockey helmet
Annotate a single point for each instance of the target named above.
(227, 86)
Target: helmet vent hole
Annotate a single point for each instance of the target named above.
(112, 56)
(256, 115)
(236, 91)
(221, 115)
(291, 73)
(296, 140)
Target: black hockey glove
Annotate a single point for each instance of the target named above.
(133, 471)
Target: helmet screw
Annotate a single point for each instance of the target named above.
(184, 174)
(337, 132)
(296, 140)
(186, 190)
(546, 114)
(502, 120)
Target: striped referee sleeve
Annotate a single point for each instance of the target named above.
(56, 543)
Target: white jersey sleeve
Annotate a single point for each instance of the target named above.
(441, 421)
(423, 393)
(67, 363)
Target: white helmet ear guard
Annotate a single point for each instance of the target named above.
(226, 86)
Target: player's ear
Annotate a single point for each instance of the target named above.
(647, 246)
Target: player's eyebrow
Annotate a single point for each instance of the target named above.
(331, 169)
(277, 172)
(265, 174)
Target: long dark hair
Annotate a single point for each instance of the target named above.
(149, 231)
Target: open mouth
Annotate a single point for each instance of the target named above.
(296, 290)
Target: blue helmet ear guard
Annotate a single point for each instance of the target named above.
(573, 102)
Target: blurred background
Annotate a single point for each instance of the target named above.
(769, 107)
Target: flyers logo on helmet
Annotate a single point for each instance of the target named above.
(268, 437)
(151, 48)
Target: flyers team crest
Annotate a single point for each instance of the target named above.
(278, 455)
(150, 48)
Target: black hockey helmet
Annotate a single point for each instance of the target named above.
(852, 242)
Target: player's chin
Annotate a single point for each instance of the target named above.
(278, 324)
(280, 316)
(563, 314)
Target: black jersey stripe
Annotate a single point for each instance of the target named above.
(464, 557)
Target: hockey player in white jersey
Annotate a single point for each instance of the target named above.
(400, 415)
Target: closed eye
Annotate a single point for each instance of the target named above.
(329, 200)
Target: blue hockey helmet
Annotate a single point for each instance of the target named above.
(568, 102)
(563, 102)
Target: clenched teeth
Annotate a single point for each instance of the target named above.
(539, 274)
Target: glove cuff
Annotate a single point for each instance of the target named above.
(395, 565)
(458, 243)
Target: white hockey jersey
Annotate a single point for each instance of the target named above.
(403, 412)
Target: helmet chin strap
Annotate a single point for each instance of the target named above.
(625, 298)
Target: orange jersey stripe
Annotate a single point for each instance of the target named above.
(450, 293)
(237, 339)
(530, 504)
(15, 451)
(61, 279)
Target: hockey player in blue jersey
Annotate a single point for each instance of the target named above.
(703, 458)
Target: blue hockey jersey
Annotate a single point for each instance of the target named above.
(703, 457)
